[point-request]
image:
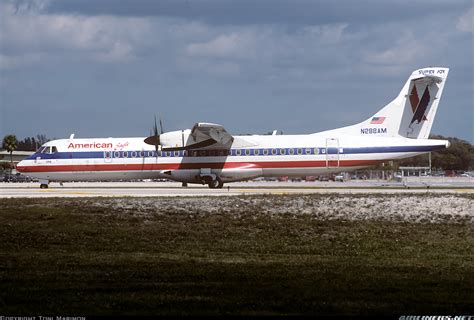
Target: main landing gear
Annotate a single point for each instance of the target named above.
(216, 184)
(213, 182)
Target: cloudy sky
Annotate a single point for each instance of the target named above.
(101, 68)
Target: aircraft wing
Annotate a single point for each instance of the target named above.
(216, 132)
(202, 135)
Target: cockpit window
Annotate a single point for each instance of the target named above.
(40, 149)
(54, 149)
(47, 150)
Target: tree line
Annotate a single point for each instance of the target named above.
(459, 156)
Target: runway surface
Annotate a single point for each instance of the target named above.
(169, 189)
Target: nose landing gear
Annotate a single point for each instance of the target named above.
(44, 184)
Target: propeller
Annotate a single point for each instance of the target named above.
(161, 125)
(154, 139)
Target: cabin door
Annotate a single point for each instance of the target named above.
(332, 153)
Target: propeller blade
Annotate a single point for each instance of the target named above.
(161, 126)
(155, 128)
(154, 138)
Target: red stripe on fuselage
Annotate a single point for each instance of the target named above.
(190, 165)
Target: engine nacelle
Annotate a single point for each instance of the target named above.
(189, 176)
(203, 175)
(176, 139)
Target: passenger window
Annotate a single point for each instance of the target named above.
(256, 152)
(265, 152)
(247, 152)
(292, 151)
(239, 152)
(308, 151)
(282, 151)
(274, 151)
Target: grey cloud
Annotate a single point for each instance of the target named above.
(263, 11)
(300, 66)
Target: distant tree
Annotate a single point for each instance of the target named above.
(27, 144)
(41, 139)
(459, 156)
(10, 144)
(32, 143)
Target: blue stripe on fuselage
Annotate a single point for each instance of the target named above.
(313, 151)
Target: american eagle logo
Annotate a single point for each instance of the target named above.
(419, 106)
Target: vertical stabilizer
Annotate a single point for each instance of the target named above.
(424, 93)
(411, 113)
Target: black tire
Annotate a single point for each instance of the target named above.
(213, 184)
(43, 186)
(216, 184)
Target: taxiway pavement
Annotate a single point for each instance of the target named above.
(170, 189)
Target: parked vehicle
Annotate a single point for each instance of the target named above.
(18, 177)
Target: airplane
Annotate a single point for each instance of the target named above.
(208, 154)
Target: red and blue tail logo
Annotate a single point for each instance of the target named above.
(419, 106)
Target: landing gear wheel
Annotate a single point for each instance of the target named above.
(216, 184)
(43, 186)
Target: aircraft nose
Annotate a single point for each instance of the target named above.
(20, 166)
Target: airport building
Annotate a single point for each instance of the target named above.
(16, 155)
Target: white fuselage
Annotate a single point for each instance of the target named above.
(207, 153)
(277, 155)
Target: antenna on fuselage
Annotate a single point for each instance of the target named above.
(71, 136)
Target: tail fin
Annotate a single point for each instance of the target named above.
(424, 91)
(411, 113)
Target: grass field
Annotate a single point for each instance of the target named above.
(233, 255)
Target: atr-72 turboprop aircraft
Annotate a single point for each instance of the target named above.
(208, 154)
